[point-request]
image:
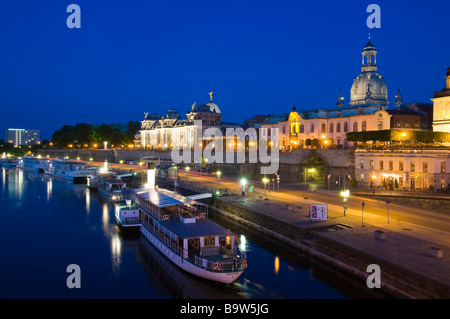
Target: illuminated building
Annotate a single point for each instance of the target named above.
(19, 137)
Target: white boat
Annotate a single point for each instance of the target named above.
(75, 171)
(8, 162)
(33, 163)
(180, 229)
(109, 184)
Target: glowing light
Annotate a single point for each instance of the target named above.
(277, 265)
(243, 181)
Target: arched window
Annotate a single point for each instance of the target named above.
(380, 125)
(345, 127)
(399, 124)
(355, 127)
(302, 128)
(407, 124)
(416, 124)
(324, 128)
(312, 128)
(338, 127)
(331, 127)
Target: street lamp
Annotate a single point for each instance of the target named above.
(187, 172)
(265, 181)
(243, 183)
(218, 176)
(345, 194)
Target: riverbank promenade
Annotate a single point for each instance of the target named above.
(400, 237)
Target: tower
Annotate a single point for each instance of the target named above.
(369, 87)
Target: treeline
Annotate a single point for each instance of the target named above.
(84, 135)
(396, 135)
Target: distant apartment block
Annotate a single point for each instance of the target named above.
(18, 136)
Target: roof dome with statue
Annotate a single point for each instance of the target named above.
(209, 107)
(369, 87)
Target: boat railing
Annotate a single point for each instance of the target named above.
(227, 263)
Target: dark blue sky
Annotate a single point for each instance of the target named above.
(258, 57)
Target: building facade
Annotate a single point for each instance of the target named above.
(22, 137)
(172, 131)
(367, 111)
(403, 169)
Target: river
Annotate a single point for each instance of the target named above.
(48, 224)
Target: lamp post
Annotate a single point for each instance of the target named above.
(345, 194)
(243, 183)
(218, 176)
(265, 181)
(187, 172)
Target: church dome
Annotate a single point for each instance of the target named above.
(369, 87)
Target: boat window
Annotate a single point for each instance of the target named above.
(210, 241)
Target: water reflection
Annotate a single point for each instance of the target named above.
(49, 189)
(277, 265)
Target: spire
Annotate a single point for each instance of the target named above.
(398, 100)
(340, 101)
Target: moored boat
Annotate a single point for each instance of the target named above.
(180, 229)
(109, 184)
(72, 170)
(8, 162)
(34, 163)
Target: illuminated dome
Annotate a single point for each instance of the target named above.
(369, 87)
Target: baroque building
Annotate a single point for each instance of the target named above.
(171, 130)
(366, 111)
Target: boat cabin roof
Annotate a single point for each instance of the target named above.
(165, 198)
(201, 228)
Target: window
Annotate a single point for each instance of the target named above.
(302, 128)
(355, 127)
(338, 127)
(362, 164)
(391, 165)
(399, 124)
(331, 128)
(400, 181)
(209, 241)
(345, 127)
(284, 129)
(380, 125)
(400, 166)
(443, 167)
(413, 167)
(371, 164)
(381, 165)
(324, 128)
(407, 124)
(364, 126)
(425, 125)
(425, 167)
(312, 128)
(416, 124)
